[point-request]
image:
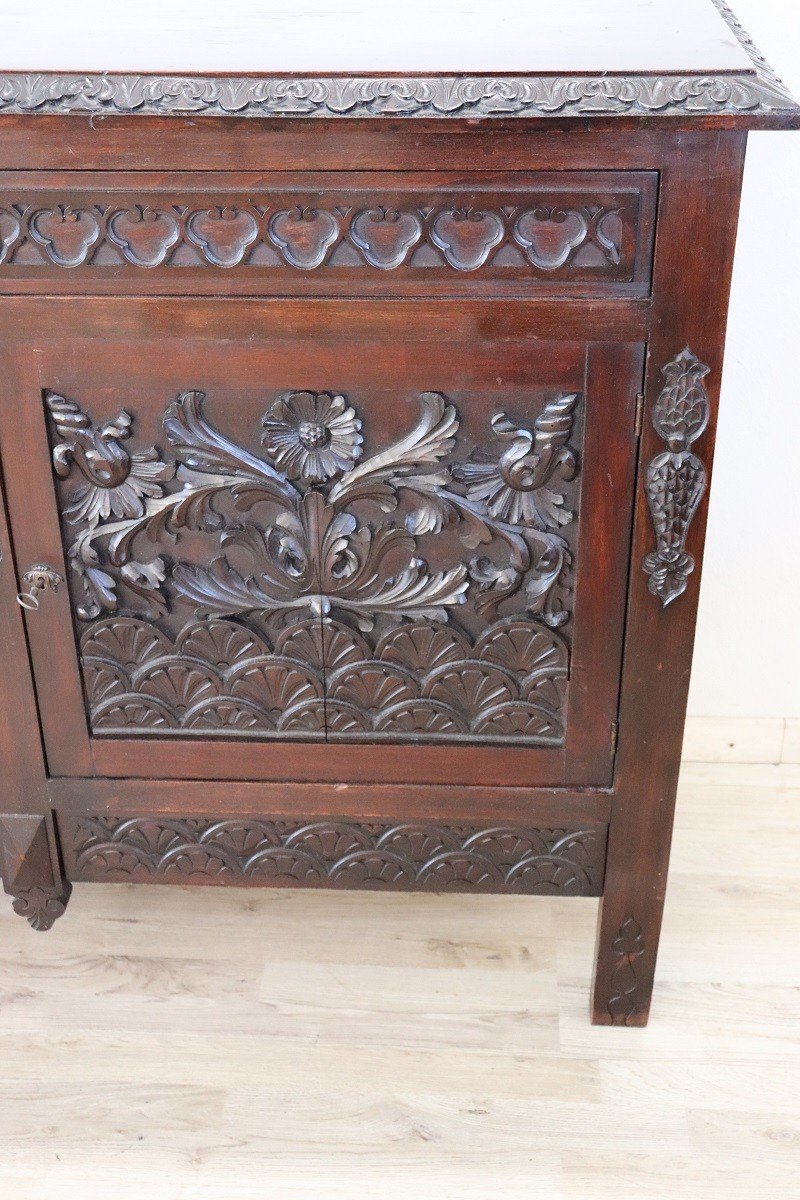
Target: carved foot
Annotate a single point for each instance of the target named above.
(27, 865)
(42, 906)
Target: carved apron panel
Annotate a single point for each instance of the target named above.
(332, 573)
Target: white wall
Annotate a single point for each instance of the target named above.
(747, 660)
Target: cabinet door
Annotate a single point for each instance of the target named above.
(313, 540)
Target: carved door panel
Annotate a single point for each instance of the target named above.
(289, 543)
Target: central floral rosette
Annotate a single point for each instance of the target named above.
(312, 436)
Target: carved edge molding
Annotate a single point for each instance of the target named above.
(443, 96)
(676, 479)
(335, 853)
(628, 947)
(369, 96)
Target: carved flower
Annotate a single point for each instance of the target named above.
(312, 436)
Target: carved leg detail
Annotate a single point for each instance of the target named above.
(626, 957)
(42, 906)
(625, 996)
(26, 863)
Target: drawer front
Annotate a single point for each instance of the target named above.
(569, 233)
(317, 545)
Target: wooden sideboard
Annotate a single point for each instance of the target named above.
(356, 436)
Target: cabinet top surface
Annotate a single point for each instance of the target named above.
(456, 58)
(358, 36)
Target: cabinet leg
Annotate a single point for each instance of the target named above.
(28, 861)
(624, 970)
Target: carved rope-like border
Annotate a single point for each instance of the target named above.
(411, 96)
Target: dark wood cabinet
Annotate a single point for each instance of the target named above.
(354, 486)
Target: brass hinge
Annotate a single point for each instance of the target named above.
(639, 414)
(614, 735)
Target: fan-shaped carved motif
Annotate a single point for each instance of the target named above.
(133, 712)
(275, 684)
(421, 679)
(177, 683)
(423, 647)
(422, 855)
(125, 640)
(346, 720)
(223, 643)
(523, 646)
(471, 687)
(517, 719)
(225, 712)
(372, 686)
(419, 717)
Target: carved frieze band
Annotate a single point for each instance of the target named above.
(542, 234)
(335, 853)
(676, 480)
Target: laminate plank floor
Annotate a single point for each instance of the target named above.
(180, 1044)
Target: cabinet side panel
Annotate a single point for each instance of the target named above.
(699, 205)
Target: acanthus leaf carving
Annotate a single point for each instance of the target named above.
(676, 479)
(439, 97)
(316, 552)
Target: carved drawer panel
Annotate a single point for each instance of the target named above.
(572, 232)
(322, 543)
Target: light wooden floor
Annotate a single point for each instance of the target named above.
(179, 1044)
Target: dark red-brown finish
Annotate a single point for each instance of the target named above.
(374, 461)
